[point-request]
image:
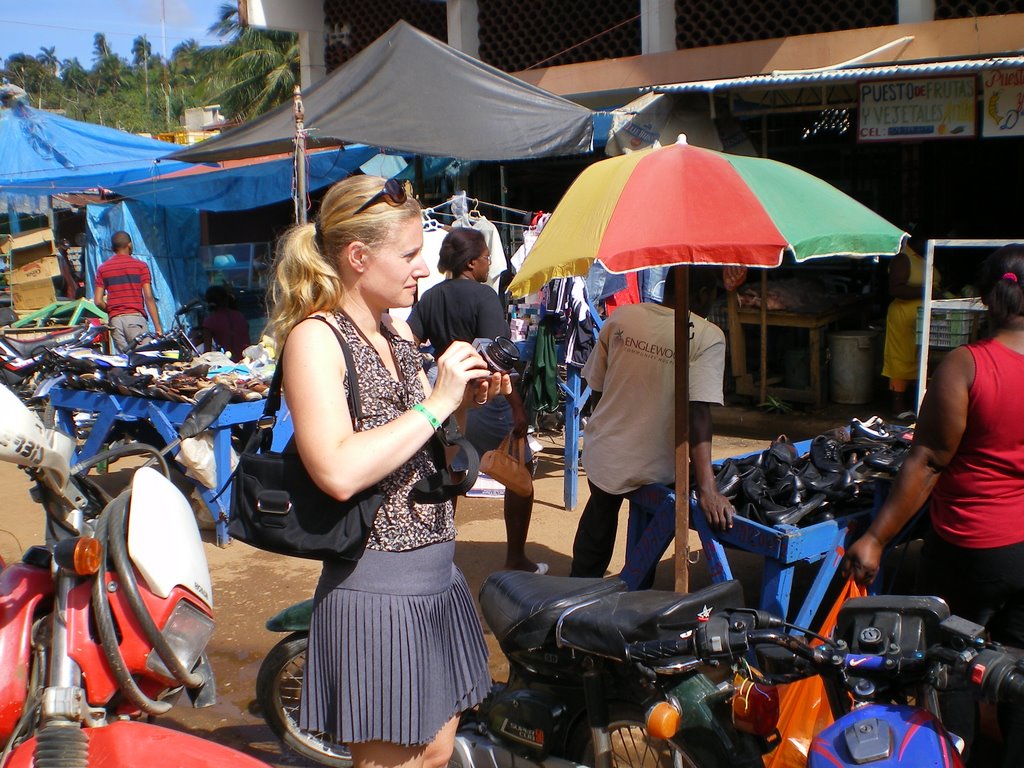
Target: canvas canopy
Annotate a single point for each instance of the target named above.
(42, 153)
(411, 93)
(243, 184)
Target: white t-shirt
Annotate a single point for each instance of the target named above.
(629, 441)
(432, 239)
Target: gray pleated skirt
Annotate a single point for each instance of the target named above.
(395, 648)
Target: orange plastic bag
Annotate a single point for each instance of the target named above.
(804, 710)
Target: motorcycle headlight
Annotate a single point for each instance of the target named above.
(187, 631)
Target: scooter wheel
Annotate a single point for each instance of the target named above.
(278, 686)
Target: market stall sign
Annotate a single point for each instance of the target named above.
(915, 109)
(1004, 103)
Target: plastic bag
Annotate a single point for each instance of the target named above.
(196, 455)
(804, 710)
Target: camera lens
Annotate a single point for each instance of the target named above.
(501, 354)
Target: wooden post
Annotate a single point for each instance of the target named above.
(299, 160)
(682, 426)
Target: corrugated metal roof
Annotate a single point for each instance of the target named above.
(842, 75)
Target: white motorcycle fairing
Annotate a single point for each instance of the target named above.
(163, 538)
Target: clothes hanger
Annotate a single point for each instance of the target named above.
(430, 224)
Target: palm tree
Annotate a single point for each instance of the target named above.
(256, 70)
(141, 53)
(100, 46)
(48, 58)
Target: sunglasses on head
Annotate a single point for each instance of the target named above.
(393, 193)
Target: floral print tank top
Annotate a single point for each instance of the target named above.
(401, 523)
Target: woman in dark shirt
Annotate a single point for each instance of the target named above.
(465, 308)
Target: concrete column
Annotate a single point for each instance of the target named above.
(312, 66)
(913, 11)
(657, 26)
(464, 26)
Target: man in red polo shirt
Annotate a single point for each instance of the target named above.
(124, 289)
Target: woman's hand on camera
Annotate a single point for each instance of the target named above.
(461, 371)
(480, 392)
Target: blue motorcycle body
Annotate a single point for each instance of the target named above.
(883, 735)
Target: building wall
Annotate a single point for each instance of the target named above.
(700, 23)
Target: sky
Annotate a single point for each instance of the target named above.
(28, 25)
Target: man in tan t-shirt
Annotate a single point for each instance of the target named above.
(629, 440)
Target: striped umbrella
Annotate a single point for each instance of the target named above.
(682, 204)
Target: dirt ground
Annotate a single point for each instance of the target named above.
(250, 586)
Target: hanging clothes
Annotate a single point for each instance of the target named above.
(581, 327)
(544, 385)
(530, 235)
(433, 236)
(628, 295)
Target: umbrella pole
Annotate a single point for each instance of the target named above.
(299, 158)
(764, 336)
(682, 381)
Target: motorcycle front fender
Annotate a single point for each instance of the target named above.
(22, 588)
(130, 743)
(294, 618)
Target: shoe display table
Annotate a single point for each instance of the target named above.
(651, 529)
(166, 417)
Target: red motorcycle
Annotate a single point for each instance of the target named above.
(107, 624)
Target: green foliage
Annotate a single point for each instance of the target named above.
(775, 405)
(251, 73)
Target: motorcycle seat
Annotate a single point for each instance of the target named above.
(522, 608)
(605, 627)
(32, 347)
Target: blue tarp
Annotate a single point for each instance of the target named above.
(241, 187)
(42, 153)
(167, 239)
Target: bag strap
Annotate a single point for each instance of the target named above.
(440, 486)
(263, 436)
(520, 443)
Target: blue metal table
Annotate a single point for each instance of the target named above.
(166, 417)
(652, 525)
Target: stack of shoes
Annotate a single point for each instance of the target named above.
(834, 478)
(177, 382)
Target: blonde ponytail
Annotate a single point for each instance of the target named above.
(307, 270)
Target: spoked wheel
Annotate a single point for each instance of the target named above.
(278, 686)
(633, 747)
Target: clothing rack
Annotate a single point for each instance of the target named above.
(465, 202)
(431, 212)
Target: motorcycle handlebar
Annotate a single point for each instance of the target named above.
(994, 674)
(723, 637)
(186, 308)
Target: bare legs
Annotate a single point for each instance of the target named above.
(383, 754)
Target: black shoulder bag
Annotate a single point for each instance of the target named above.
(276, 506)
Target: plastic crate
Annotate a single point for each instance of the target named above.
(954, 322)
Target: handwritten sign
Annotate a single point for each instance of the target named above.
(898, 110)
(1004, 103)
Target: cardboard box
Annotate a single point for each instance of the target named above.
(33, 295)
(32, 262)
(35, 241)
